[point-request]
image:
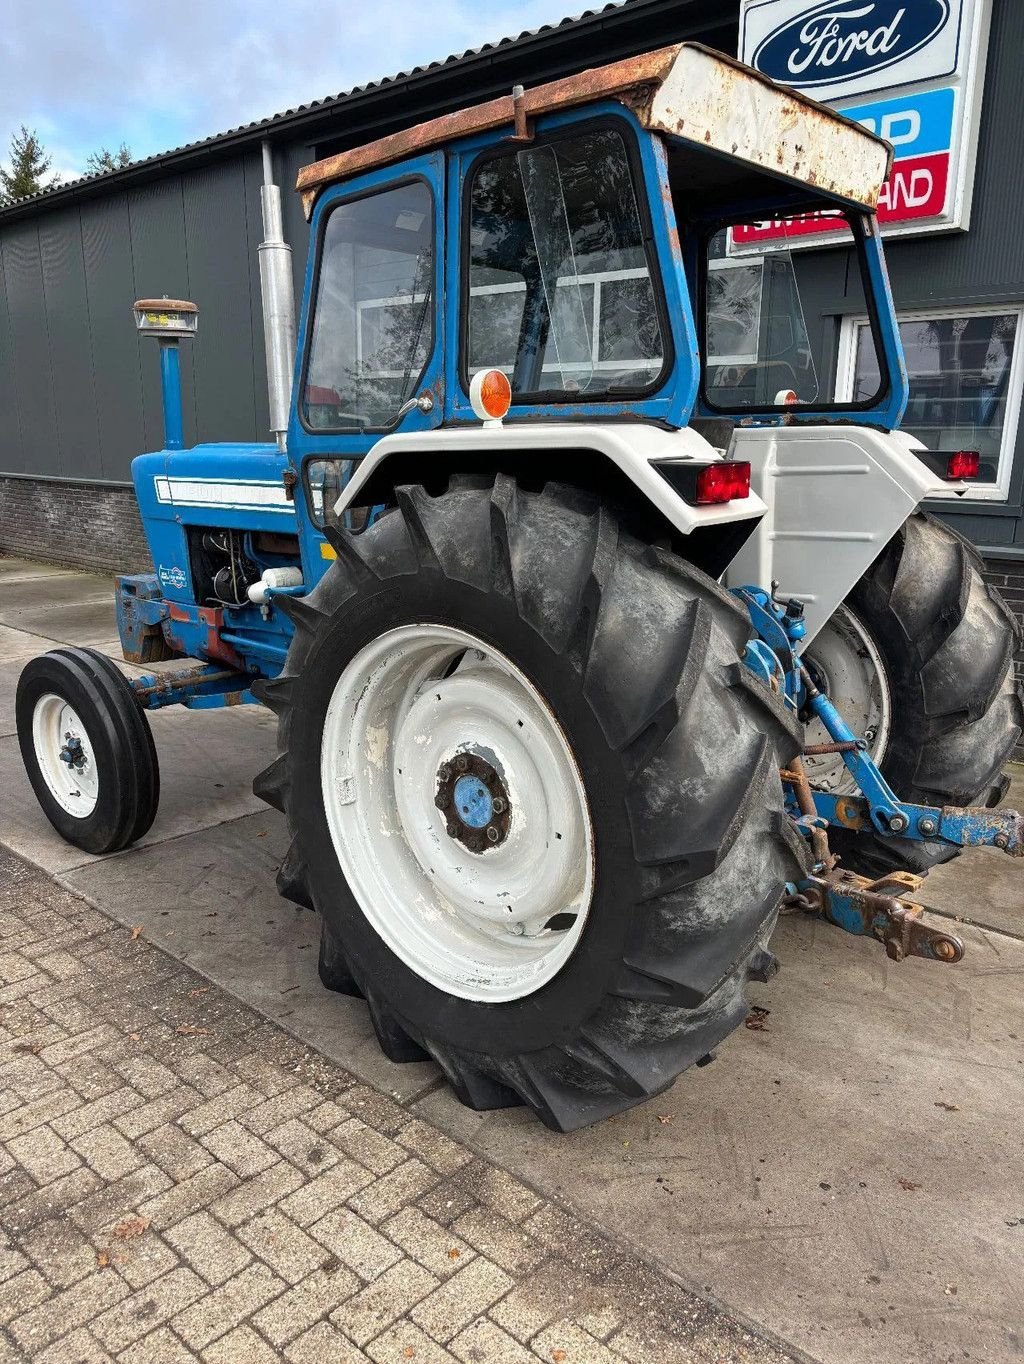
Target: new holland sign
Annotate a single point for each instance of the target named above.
(924, 63)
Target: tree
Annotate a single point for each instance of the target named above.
(96, 163)
(29, 164)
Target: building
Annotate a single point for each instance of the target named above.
(80, 394)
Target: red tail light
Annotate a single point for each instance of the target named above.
(723, 482)
(963, 464)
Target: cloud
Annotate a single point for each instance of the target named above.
(87, 75)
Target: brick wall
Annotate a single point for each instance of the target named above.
(1008, 576)
(76, 525)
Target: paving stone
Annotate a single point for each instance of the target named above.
(406, 1341)
(433, 1146)
(243, 1346)
(534, 1302)
(42, 1153)
(204, 1117)
(355, 1243)
(565, 1340)
(213, 1252)
(159, 1347)
(105, 1109)
(323, 1344)
(194, 1193)
(306, 1149)
(291, 1103)
(149, 1076)
(223, 1309)
(327, 1115)
(67, 1310)
(206, 1075)
(365, 1145)
(158, 1111)
(326, 1192)
(295, 1311)
(238, 1149)
(141, 1259)
(149, 1307)
(107, 1152)
(112, 1203)
(283, 1245)
(382, 1302)
(59, 1197)
(466, 1295)
(434, 1246)
(80, 1347)
(500, 1240)
(390, 1193)
(28, 1116)
(483, 1340)
(255, 1195)
(22, 1293)
(62, 1252)
(177, 1154)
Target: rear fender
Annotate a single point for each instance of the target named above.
(616, 460)
(835, 497)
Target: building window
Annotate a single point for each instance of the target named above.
(966, 370)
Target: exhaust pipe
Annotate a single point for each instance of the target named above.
(278, 302)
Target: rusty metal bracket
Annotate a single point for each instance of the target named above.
(862, 907)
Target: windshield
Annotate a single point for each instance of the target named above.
(773, 305)
(560, 290)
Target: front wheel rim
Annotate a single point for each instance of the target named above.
(65, 755)
(489, 905)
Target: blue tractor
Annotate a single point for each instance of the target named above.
(598, 620)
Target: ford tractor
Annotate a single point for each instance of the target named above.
(600, 624)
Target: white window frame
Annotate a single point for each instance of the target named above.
(593, 281)
(847, 361)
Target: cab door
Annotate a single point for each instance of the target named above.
(371, 340)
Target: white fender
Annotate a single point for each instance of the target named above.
(634, 447)
(836, 495)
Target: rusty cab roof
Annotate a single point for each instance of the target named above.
(690, 93)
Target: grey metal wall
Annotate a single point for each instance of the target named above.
(79, 390)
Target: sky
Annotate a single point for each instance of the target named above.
(87, 74)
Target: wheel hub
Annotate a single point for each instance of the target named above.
(73, 754)
(474, 802)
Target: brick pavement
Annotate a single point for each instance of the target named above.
(180, 1180)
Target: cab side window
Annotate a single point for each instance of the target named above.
(373, 321)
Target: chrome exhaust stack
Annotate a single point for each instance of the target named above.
(278, 294)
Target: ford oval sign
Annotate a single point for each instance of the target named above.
(834, 42)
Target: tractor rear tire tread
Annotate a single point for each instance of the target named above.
(948, 640)
(649, 647)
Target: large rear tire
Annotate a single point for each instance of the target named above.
(617, 856)
(947, 708)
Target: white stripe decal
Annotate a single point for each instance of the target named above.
(226, 494)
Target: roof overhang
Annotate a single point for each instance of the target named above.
(684, 91)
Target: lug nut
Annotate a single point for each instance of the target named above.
(492, 834)
(440, 801)
(461, 762)
(499, 805)
(453, 829)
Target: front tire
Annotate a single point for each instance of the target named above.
(87, 749)
(603, 700)
(948, 708)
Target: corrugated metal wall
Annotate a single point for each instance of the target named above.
(79, 390)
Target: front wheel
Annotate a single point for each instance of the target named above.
(919, 660)
(87, 749)
(534, 795)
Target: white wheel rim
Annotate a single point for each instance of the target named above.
(845, 659)
(474, 924)
(65, 756)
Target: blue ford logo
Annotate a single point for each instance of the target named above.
(835, 42)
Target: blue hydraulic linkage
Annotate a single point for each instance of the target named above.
(852, 902)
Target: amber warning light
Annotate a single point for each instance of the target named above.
(490, 395)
